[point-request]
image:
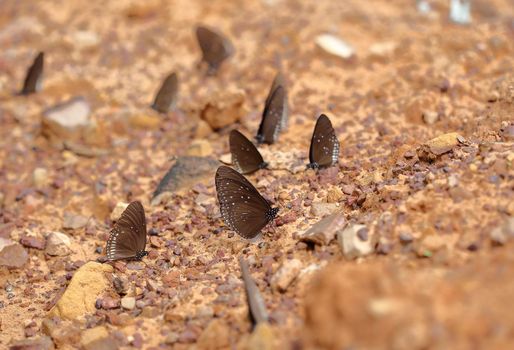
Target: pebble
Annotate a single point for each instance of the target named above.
(73, 221)
(119, 208)
(199, 148)
(438, 146)
(58, 244)
(128, 303)
(501, 234)
(84, 39)
(334, 195)
(97, 338)
(430, 117)
(40, 343)
(324, 231)
(12, 254)
(286, 274)
(33, 242)
(68, 121)
(383, 49)
(78, 301)
(334, 45)
(320, 210)
(40, 177)
(186, 172)
(203, 130)
(453, 181)
(351, 245)
(223, 108)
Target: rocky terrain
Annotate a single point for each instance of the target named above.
(407, 244)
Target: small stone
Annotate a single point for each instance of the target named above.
(39, 343)
(383, 49)
(12, 254)
(507, 133)
(226, 158)
(223, 108)
(202, 129)
(199, 148)
(97, 338)
(286, 274)
(350, 243)
(335, 46)
(84, 39)
(430, 117)
(262, 338)
(363, 234)
(334, 195)
(40, 177)
(33, 242)
(215, 336)
(323, 209)
(406, 238)
(87, 284)
(348, 189)
(171, 338)
(324, 231)
(438, 146)
(453, 181)
(69, 121)
(145, 121)
(128, 303)
(186, 172)
(119, 208)
(58, 244)
(74, 221)
(501, 234)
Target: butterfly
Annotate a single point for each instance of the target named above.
(242, 207)
(324, 150)
(256, 305)
(128, 237)
(215, 47)
(275, 114)
(245, 156)
(166, 97)
(34, 76)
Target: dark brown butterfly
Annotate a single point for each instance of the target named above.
(324, 150)
(242, 207)
(279, 81)
(166, 97)
(215, 47)
(256, 305)
(245, 156)
(34, 76)
(274, 116)
(128, 237)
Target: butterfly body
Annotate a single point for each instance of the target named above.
(242, 207)
(128, 236)
(324, 149)
(245, 156)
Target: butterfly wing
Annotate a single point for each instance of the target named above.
(324, 149)
(245, 156)
(128, 237)
(215, 47)
(243, 209)
(272, 117)
(167, 95)
(34, 75)
(279, 81)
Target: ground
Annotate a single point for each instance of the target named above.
(425, 116)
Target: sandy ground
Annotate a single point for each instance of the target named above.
(435, 269)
